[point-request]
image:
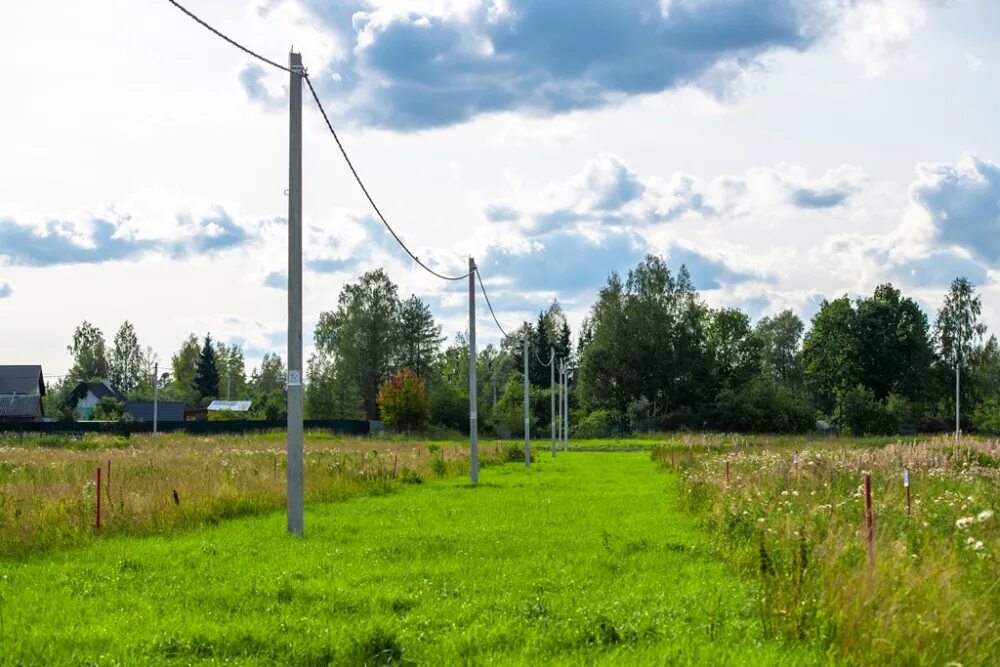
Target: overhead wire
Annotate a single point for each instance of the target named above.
(490, 305)
(357, 177)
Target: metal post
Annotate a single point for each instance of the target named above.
(473, 417)
(552, 396)
(156, 392)
(295, 498)
(527, 415)
(559, 404)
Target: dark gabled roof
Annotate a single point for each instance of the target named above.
(166, 411)
(98, 389)
(21, 380)
(19, 406)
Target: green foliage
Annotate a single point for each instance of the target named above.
(779, 337)
(403, 401)
(90, 360)
(987, 416)
(108, 409)
(184, 365)
(125, 368)
(863, 414)
(599, 424)
(958, 328)
(206, 379)
(329, 392)
(448, 406)
(765, 406)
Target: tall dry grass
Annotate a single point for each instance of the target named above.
(933, 596)
(48, 485)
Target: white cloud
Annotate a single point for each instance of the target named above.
(876, 32)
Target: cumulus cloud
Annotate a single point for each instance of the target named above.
(276, 280)
(419, 65)
(962, 202)
(5, 290)
(97, 240)
(877, 31)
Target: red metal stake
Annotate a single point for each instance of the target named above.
(869, 522)
(98, 525)
(672, 460)
(727, 473)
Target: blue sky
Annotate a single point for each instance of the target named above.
(784, 150)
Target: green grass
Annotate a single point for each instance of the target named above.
(587, 559)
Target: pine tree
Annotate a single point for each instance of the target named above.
(207, 379)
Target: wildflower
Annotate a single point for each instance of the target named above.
(795, 493)
(978, 545)
(784, 493)
(985, 515)
(965, 522)
(760, 520)
(970, 540)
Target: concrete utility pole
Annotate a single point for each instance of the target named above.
(958, 401)
(566, 408)
(552, 396)
(156, 391)
(473, 417)
(295, 497)
(527, 415)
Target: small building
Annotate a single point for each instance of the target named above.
(86, 395)
(229, 406)
(166, 411)
(22, 388)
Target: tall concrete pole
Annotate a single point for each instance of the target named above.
(566, 408)
(473, 417)
(156, 392)
(295, 498)
(552, 396)
(559, 405)
(958, 401)
(527, 414)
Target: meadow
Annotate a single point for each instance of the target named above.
(791, 515)
(597, 556)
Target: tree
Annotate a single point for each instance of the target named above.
(184, 366)
(271, 377)
(125, 369)
(207, 378)
(231, 364)
(403, 401)
(330, 394)
(735, 352)
(362, 335)
(957, 329)
(780, 355)
(419, 336)
(90, 361)
(893, 347)
(108, 408)
(829, 353)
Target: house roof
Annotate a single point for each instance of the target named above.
(232, 406)
(98, 389)
(19, 405)
(22, 379)
(166, 411)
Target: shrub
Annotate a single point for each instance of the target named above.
(403, 401)
(448, 407)
(903, 414)
(764, 406)
(862, 414)
(108, 409)
(598, 424)
(986, 418)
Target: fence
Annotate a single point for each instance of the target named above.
(235, 427)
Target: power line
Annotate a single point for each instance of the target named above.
(228, 39)
(546, 364)
(367, 194)
(329, 125)
(489, 305)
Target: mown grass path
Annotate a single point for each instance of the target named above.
(582, 560)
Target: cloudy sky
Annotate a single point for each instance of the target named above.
(784, 150)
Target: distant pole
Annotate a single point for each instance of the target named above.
(156, 393)
(869, 523)
(473, 417)
(559, 406)
(552, 396)
(527, 415)
(566, 408)
(229, 382)
(296, 494)
(98, 509)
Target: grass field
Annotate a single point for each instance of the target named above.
(588, 559)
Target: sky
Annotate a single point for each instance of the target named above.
(785, 151)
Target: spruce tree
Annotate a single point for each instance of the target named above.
(207, 379)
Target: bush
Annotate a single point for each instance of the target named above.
(403, 401)
(903, 414)
(862, 414)
(986, 417)
(448, 407)
(108, 409)
(764, 406)
(599, 424)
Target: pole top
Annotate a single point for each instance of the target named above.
(294, 60)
